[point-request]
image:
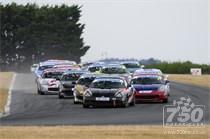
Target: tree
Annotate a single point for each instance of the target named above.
(31, 33)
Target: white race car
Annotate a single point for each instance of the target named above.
(48, 82)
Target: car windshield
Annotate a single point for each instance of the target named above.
(85, 81)
(94, 69)
(114, 70)
(147, 80)
(109, 84)
(131, 65)
(71, 77)
(45, 67)
(52, 75)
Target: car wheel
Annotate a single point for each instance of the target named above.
(60, 96)
(133, 103)
(38, 92)
(41, 93)
(75, 100)
(165, 100)
(85, 106)
(125, 105)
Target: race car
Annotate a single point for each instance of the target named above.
(108, 91)
(118, 70)
(48, 82)
(50, 64)
(82, 84)
(96, 67)
(150, 88)
(34, 67)
(67, 82)
(131, 66)
(43, 66)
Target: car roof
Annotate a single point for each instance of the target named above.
(96, 65)
(147, 76)
(129, 62)
(110, 77)
(74, 72)
(148, 72)
(54, 70)
(113, 66)
(67, 66)
(89, 75)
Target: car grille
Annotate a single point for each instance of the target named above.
(53, 89)
(147, 96)
(103, 94)
(68, 86)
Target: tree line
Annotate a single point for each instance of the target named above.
(32, 33)
(179, 67)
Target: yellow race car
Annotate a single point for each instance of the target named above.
(82, 84)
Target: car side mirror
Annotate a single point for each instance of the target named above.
(57, 78)
(74, 83)
(167, 81)
(129, 85)
(87, 86)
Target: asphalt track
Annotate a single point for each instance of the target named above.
(29, 108)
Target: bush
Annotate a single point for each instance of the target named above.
(180, 67)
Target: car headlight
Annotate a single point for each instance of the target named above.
(44, 82)
(118, 94)
(88, 93)
(161, 89)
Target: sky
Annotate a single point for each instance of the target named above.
(170, 30)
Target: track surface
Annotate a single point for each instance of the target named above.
(28, 108)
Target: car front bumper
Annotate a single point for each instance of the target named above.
(49, 90)
(153, 97)
(113, 102)
(66, 92)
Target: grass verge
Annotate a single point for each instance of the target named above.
(103, 132)
(5, 79)
(203, 80)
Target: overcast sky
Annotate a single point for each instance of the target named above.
(172, 30)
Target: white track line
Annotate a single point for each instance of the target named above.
(7, 106)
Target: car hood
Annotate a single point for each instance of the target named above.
(67, 83)
(94, 90)
(147, 87)
(80, 88)
(48, 81)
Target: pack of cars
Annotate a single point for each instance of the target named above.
(114, 84)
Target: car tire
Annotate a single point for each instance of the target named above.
(165, 100)
(76, 102)
(40, 92)
(60, 96)
(126, 104)
(85, 106)
(133, 103)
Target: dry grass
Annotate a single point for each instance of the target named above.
(203, 81)
(102, 132)
(5, 79)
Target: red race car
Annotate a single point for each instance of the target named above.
(150, 88)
